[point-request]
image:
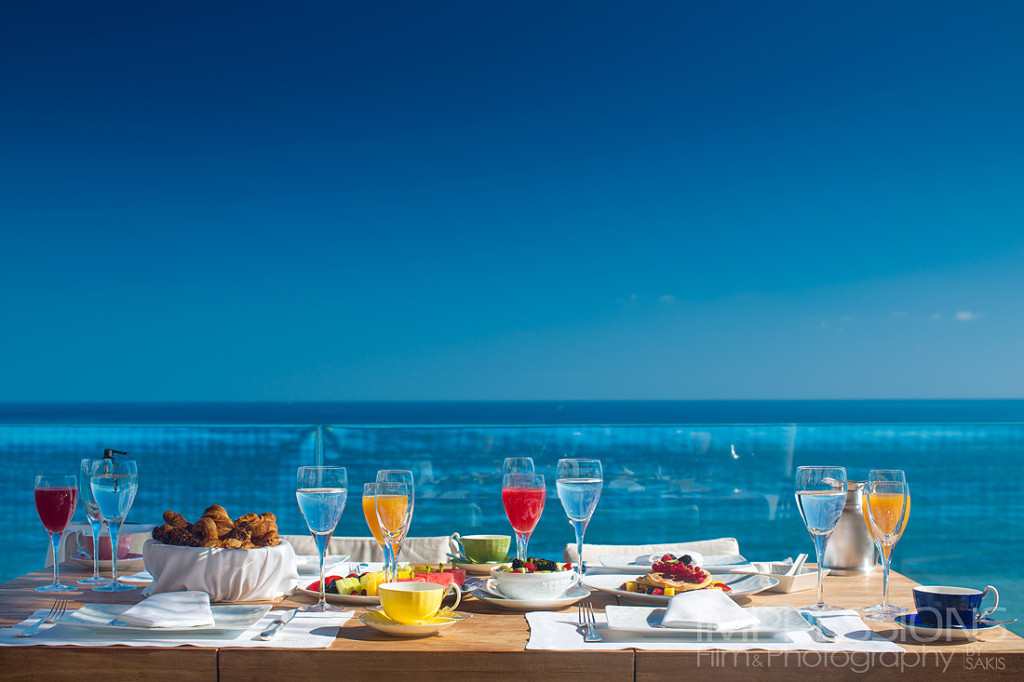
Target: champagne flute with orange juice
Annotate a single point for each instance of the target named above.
(886, 510)
(394, 503)
(372, 522)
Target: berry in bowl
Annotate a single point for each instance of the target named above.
(534, 579)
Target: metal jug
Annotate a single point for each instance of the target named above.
(850, 549)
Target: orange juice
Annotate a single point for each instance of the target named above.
(370, 512)
(886, 508)
(391, 511)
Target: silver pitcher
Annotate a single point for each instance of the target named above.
(850, 549)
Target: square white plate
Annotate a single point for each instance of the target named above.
(103, 618)
(646, 620)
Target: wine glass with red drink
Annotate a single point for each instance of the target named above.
(56, 497)
(523, 496)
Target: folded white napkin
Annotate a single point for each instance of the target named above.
(709, 610)
(170, 609)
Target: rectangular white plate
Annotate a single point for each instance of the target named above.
(741, 585)
(714, 563)
(646, 620)
(103, 618)
(309, 564)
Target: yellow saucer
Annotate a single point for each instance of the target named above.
(378, 621)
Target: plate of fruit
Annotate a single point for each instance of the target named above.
(671, 576)
(361, 588)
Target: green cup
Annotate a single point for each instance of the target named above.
(484, 549)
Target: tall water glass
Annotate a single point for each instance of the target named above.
(56, 497)
(820, 496)
(579, 484)
(372, 522)
(113, 483)
(517, 465)
(523, 497)
(321, 493)
(886, 510)
(394, 503)
(92, 513)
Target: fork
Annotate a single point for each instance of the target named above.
(587, 621)
(60, 606)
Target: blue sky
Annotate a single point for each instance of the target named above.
(464, 200)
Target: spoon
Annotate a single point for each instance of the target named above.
(797, 565)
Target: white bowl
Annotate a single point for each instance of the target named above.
(551, 585)
(806, 579)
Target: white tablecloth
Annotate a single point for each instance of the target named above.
(559, 632)
(305, 631)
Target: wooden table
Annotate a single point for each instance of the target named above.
(494, 642)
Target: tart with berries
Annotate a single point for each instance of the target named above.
(671, 576)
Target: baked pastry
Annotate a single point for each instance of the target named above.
(216, 529)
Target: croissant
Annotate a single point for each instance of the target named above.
(172, 518)
(217, 513)
(206, 528)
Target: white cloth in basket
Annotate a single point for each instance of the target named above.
(224, 574)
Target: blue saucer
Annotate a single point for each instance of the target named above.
(911, 622)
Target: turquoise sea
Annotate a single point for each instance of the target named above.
(673, 470)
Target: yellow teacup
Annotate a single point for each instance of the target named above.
(416, 602)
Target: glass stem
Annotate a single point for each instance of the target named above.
(819, 552)
(323, 588)
(885, 580)
(522, 541)
(55, 541)
(385, 547)
(115, 531)
(97, 526)
(581, 528)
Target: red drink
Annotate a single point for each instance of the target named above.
(523, 507)
(56, 506)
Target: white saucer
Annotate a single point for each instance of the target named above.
(911, 622)
(490, 594)
(108, 564)
(378, 621)
(481, 569)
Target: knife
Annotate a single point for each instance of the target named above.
(276, 626)
(826, 634)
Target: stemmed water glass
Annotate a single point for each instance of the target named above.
(321, 492)
(517, 465)
(56, 497)
(579, 484)
(523, 497)
(394, 502)
(113, 482)
(92, 513)
(820, 496)
(370, 513)
(886, 510)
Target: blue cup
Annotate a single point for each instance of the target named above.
(952, 607)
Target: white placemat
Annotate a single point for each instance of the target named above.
(307, 630)
(559, 632)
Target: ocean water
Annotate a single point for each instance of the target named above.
(673, 470)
